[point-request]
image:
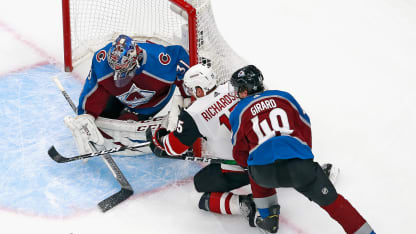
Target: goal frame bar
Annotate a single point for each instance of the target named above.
(192, 30)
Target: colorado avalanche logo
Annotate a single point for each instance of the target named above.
(164, 59)
(136, 96)
(100, 56)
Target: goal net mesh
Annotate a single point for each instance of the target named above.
(95, 23)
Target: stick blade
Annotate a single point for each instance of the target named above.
(54, 155)
(115, 199)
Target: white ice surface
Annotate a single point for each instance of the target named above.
(351, 65)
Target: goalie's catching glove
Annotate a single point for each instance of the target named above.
(156, 141)
(84, 130)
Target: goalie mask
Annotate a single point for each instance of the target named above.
(199, 76)
(124, 58)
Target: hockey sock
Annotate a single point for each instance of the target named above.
(346, 215)
(222, 203)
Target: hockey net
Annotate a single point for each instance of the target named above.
(90, 24)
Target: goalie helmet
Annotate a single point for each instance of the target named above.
(199, 76)
(247, 78)
(124, 58)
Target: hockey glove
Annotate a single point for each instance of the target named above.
(84, 130)
(271, 221)
(156, 141)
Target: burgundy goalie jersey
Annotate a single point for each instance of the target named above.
(148, 92)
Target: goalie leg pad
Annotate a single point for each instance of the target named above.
(127, 133)
(84, 130)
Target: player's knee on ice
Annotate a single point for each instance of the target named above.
(212, 179)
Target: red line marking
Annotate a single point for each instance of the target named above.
(291, 225)
(78, 212)
(20, 69)
(17, 36)
(20, 38)
(49, 59)
(52, 60)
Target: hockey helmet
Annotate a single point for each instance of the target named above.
(199, 76)
(247, 78)
(124, 58)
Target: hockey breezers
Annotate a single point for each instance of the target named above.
(126, 189)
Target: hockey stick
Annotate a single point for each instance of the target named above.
(59, 158)
(126, 189)
(188, 157)
(201, 159)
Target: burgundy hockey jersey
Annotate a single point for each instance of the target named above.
(148, 92)
(270, 126)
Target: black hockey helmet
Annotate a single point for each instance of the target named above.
(247, 78)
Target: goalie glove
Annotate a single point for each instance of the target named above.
(156, 141)
(84, 130)
(178, 103)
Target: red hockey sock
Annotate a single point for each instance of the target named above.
(345, 214)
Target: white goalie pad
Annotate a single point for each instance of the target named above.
(84, 130)
(127, 132)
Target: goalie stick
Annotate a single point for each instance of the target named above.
(57, 157)
(126, 189)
